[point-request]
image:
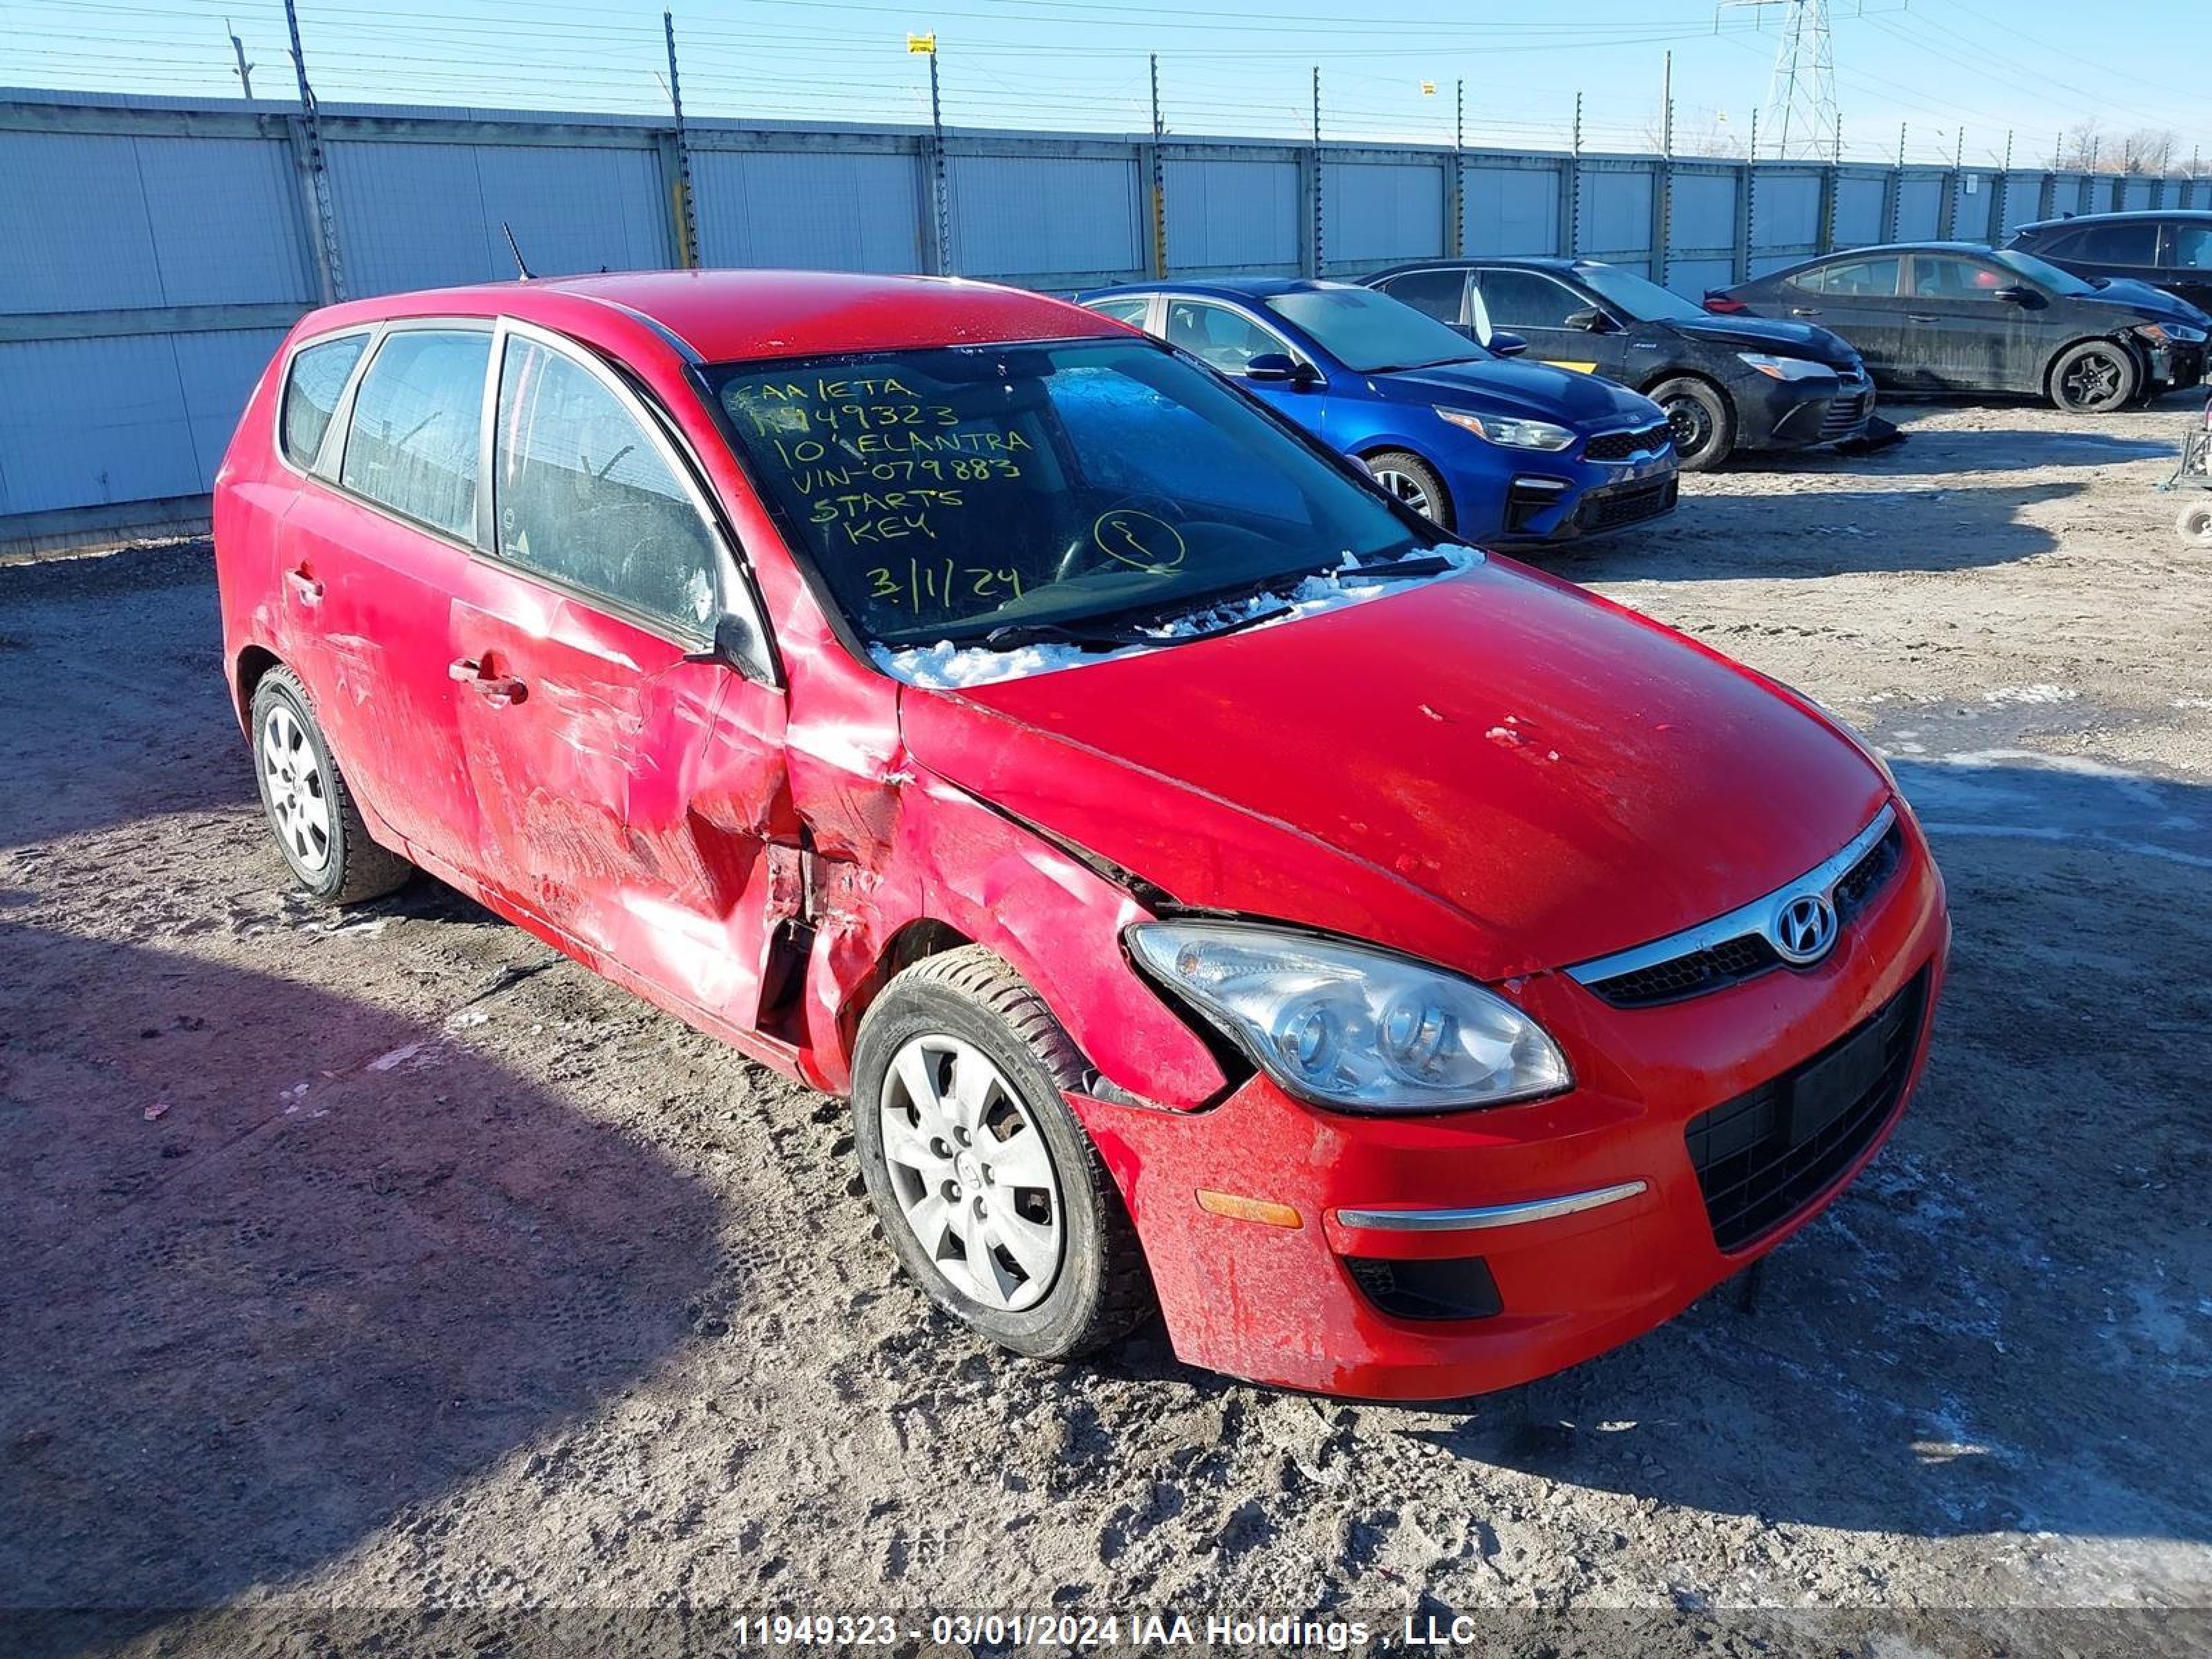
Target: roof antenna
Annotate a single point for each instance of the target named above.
(521, 270)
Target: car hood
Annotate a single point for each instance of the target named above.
(1528, 391)
(2154, 303)
(1769, 334)
(1496, 771)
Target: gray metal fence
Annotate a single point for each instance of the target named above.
(152, 251)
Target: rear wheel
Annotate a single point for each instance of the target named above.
(1703, 420)
(993, 1197)
(2195, 525)
(2094, 378)
(1413, 482)
(310, 810)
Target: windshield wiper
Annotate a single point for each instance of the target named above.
(1014, 636)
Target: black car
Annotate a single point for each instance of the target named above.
(1948, 317)
(1726, 383)
(2169, 249)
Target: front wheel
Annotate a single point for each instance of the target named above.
(1703, 422)
(993, 1197)
(1413, 482)
(2094, 378)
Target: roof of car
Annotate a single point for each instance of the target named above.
(1903, 247)
(725, 316)
(1243, 287)
(2118, 217)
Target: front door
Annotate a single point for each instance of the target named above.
(383, 527)
(1228, 338)
(1536, 306)
(628, 782)
(1970, 339)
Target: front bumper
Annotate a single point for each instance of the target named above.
(2176, 365)
(1297, 1306)
(1796, 414)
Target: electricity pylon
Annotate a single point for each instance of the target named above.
(1799, 121)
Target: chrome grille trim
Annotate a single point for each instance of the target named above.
(1754, 920)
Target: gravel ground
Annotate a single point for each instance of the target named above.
(389, 1259)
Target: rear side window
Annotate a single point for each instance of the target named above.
(417, 419)
(1130, 311)
(2134, 243)
(319, 374)
(1528, 298)
(1875, 278)
(1438, 293)
(584, 497)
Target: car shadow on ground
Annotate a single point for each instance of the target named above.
(1717, 535)
(2001, 1326)
(1932, 451)
(289, 1268)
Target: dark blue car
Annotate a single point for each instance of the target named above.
(1496, 451)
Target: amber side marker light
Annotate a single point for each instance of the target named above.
(1247, 1209)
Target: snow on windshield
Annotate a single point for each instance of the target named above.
(946, 664)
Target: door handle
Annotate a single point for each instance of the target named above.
(1801, 311)
(309, 590)
(497, 690)
(1922, 317)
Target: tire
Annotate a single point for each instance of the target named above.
(2194, 524)
(913, 1068)
(2094, 378)
(311, 812)
(1413, 482)
(1703, 418)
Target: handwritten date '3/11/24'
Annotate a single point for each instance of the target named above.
(1138, 540)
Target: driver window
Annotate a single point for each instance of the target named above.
(1216, 335)
(1517, 300)
(1937, 277)
(2192, 247)
(582, 495)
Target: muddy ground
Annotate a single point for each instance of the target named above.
(390, 1259)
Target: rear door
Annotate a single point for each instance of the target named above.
(626, 783)
(384, 527)
(1966, 339)
(2185, 260)
(1862, 300)
(1536, 304)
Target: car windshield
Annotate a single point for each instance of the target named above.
(1371, 333)
(1638, 296)
(950, 494)
(2043, 271)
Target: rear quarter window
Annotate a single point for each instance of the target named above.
(312, 388)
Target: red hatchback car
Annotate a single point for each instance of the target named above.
(1214, 888)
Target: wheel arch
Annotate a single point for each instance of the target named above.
(247, 671)
(2127, 349)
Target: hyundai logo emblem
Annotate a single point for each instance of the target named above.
(1804, 929)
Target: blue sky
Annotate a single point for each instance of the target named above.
(1949, 70)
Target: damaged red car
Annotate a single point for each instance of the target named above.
(1215, 890)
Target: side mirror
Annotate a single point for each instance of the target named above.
(1277, 366)
(1591, 319)
(1507, 345)
(1361, 462)
(737, 645)
(2014, 295)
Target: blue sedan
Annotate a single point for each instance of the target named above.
(1495, 450)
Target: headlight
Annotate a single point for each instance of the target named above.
(1783, 368)
(2171, 334)
(1514, 435)
(1344, 1025)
